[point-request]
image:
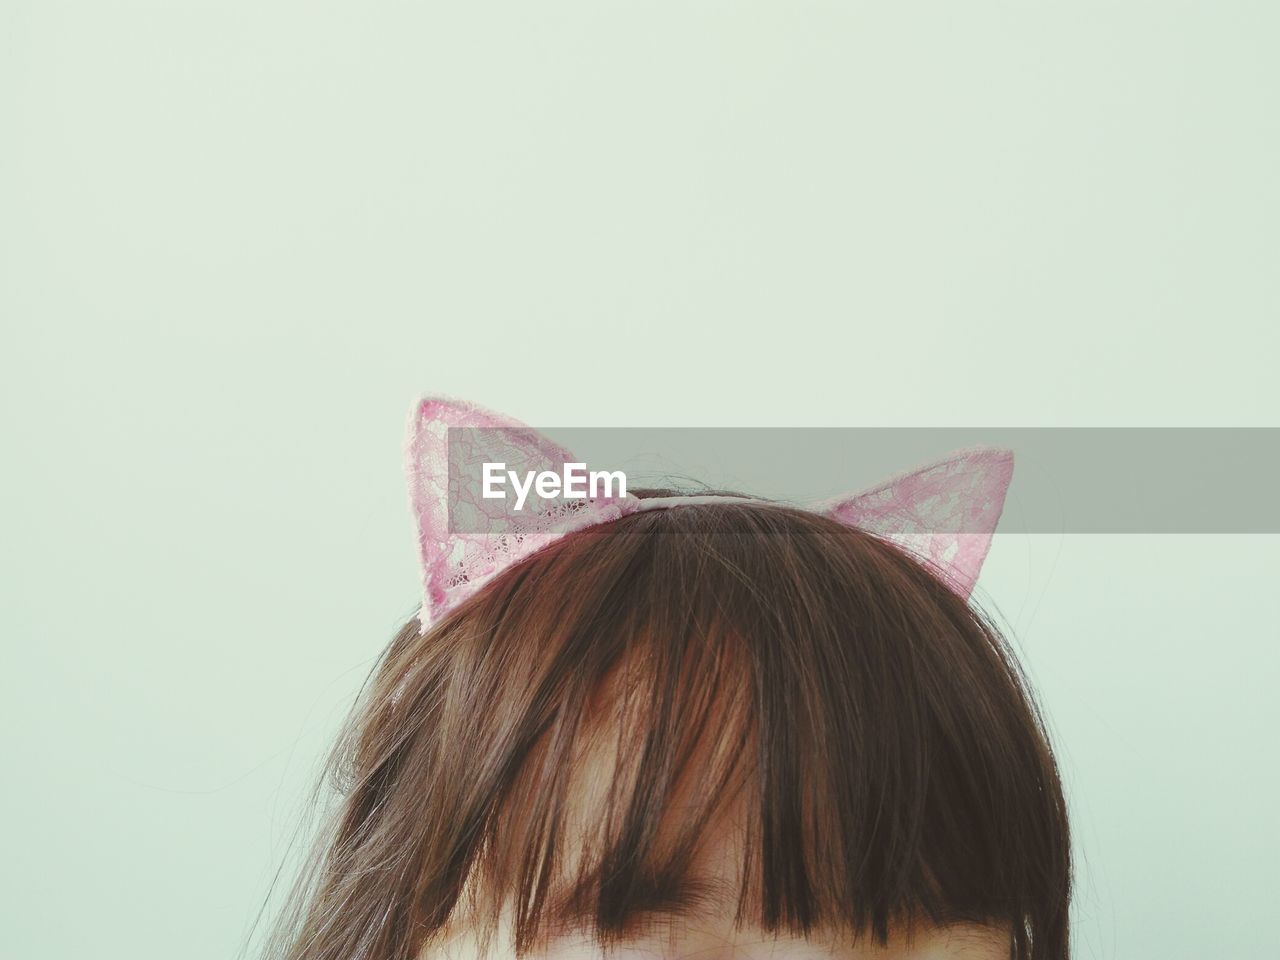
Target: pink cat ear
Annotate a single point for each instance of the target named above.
(465, 540)
(945, 512)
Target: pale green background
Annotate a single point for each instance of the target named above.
(238, 236)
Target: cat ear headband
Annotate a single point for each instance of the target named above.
(944, 512)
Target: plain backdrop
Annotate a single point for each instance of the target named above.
(238, 236)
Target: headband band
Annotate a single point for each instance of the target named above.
(664, 503)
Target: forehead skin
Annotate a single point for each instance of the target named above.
(700, 941)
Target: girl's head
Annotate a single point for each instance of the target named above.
(753, 713)
(717, 728)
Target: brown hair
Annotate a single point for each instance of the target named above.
(887, 755)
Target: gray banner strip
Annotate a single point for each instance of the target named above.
(1066, 480)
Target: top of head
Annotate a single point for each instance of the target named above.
(613, 701)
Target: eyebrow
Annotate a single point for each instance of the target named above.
(664, 897)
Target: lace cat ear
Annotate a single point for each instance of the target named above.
(945, 512)
(465, 540)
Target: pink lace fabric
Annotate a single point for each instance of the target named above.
(485, 538)
(944, 512)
